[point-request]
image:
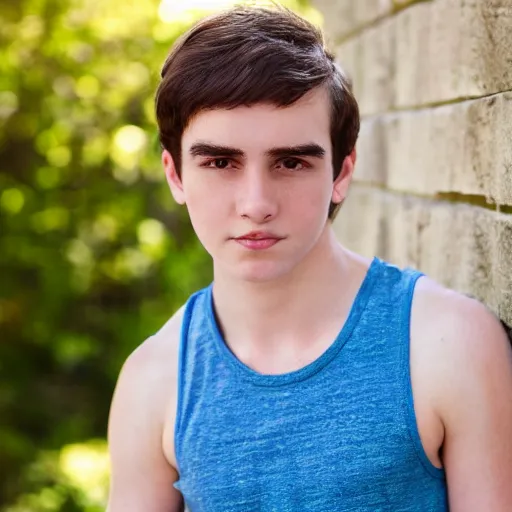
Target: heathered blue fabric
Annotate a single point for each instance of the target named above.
(339, 434)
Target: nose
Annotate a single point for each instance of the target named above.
(257, 197)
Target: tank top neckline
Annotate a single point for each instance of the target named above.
(284, 379)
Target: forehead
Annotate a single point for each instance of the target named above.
(258, 127)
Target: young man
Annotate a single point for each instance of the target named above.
(306, 378)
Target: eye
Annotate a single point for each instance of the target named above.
(292, 164)
(217, 163)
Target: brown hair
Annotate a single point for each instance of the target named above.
(250, 55)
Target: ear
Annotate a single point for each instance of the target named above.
(342, 182)
(173, 179)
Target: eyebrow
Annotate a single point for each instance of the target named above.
(213, 150)
(207, 149)
(312, 149)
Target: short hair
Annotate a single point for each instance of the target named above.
(251, 55)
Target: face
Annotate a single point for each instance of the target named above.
(257, 182)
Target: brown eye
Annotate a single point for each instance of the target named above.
(221, 163)
(217, 163)
(292, 164)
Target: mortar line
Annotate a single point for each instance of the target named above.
(453, 198)
(436, 104)
(359, 29)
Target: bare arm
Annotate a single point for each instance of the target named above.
(141, 477)
(476, 409)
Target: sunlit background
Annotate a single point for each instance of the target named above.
(94, 255)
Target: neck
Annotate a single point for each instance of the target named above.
(296, 308)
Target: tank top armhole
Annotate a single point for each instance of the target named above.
(412, 278)
(182, 351)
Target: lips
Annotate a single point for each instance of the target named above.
(258, 240)
(258, 235)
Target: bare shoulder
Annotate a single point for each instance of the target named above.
(463, 347)
(457, 325)
(151, 368)
(142, 471)
(163, 344)
(461, 359)
(150, 372)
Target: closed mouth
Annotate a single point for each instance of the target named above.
(259, 235)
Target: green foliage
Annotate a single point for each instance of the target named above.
(94, 255)
(73, 479)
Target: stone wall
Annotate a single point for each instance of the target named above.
(433, 185)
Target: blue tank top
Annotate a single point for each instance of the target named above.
(339, 434)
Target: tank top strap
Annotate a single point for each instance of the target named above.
(389, 311)
(389, 304)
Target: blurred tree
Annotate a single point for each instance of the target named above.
(94, 255)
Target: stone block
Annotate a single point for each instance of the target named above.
(339, 18)
(359, 222)
(348, 57)
(346, 17)
(427, 54)
(372, 157)
(404, 217)
(503, 266)
(455, 247)
(487, 48)
(413, 30)
(367, 11)
(370, 61)
(463, 148)
(452, 49)
(469, 249)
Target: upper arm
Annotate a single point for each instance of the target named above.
(476, 408)
(141, 477)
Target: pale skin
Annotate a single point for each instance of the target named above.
(461, 360)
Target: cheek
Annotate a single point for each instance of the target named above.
(311, 201)
(205, 201)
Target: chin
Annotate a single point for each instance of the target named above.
(260, 272)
